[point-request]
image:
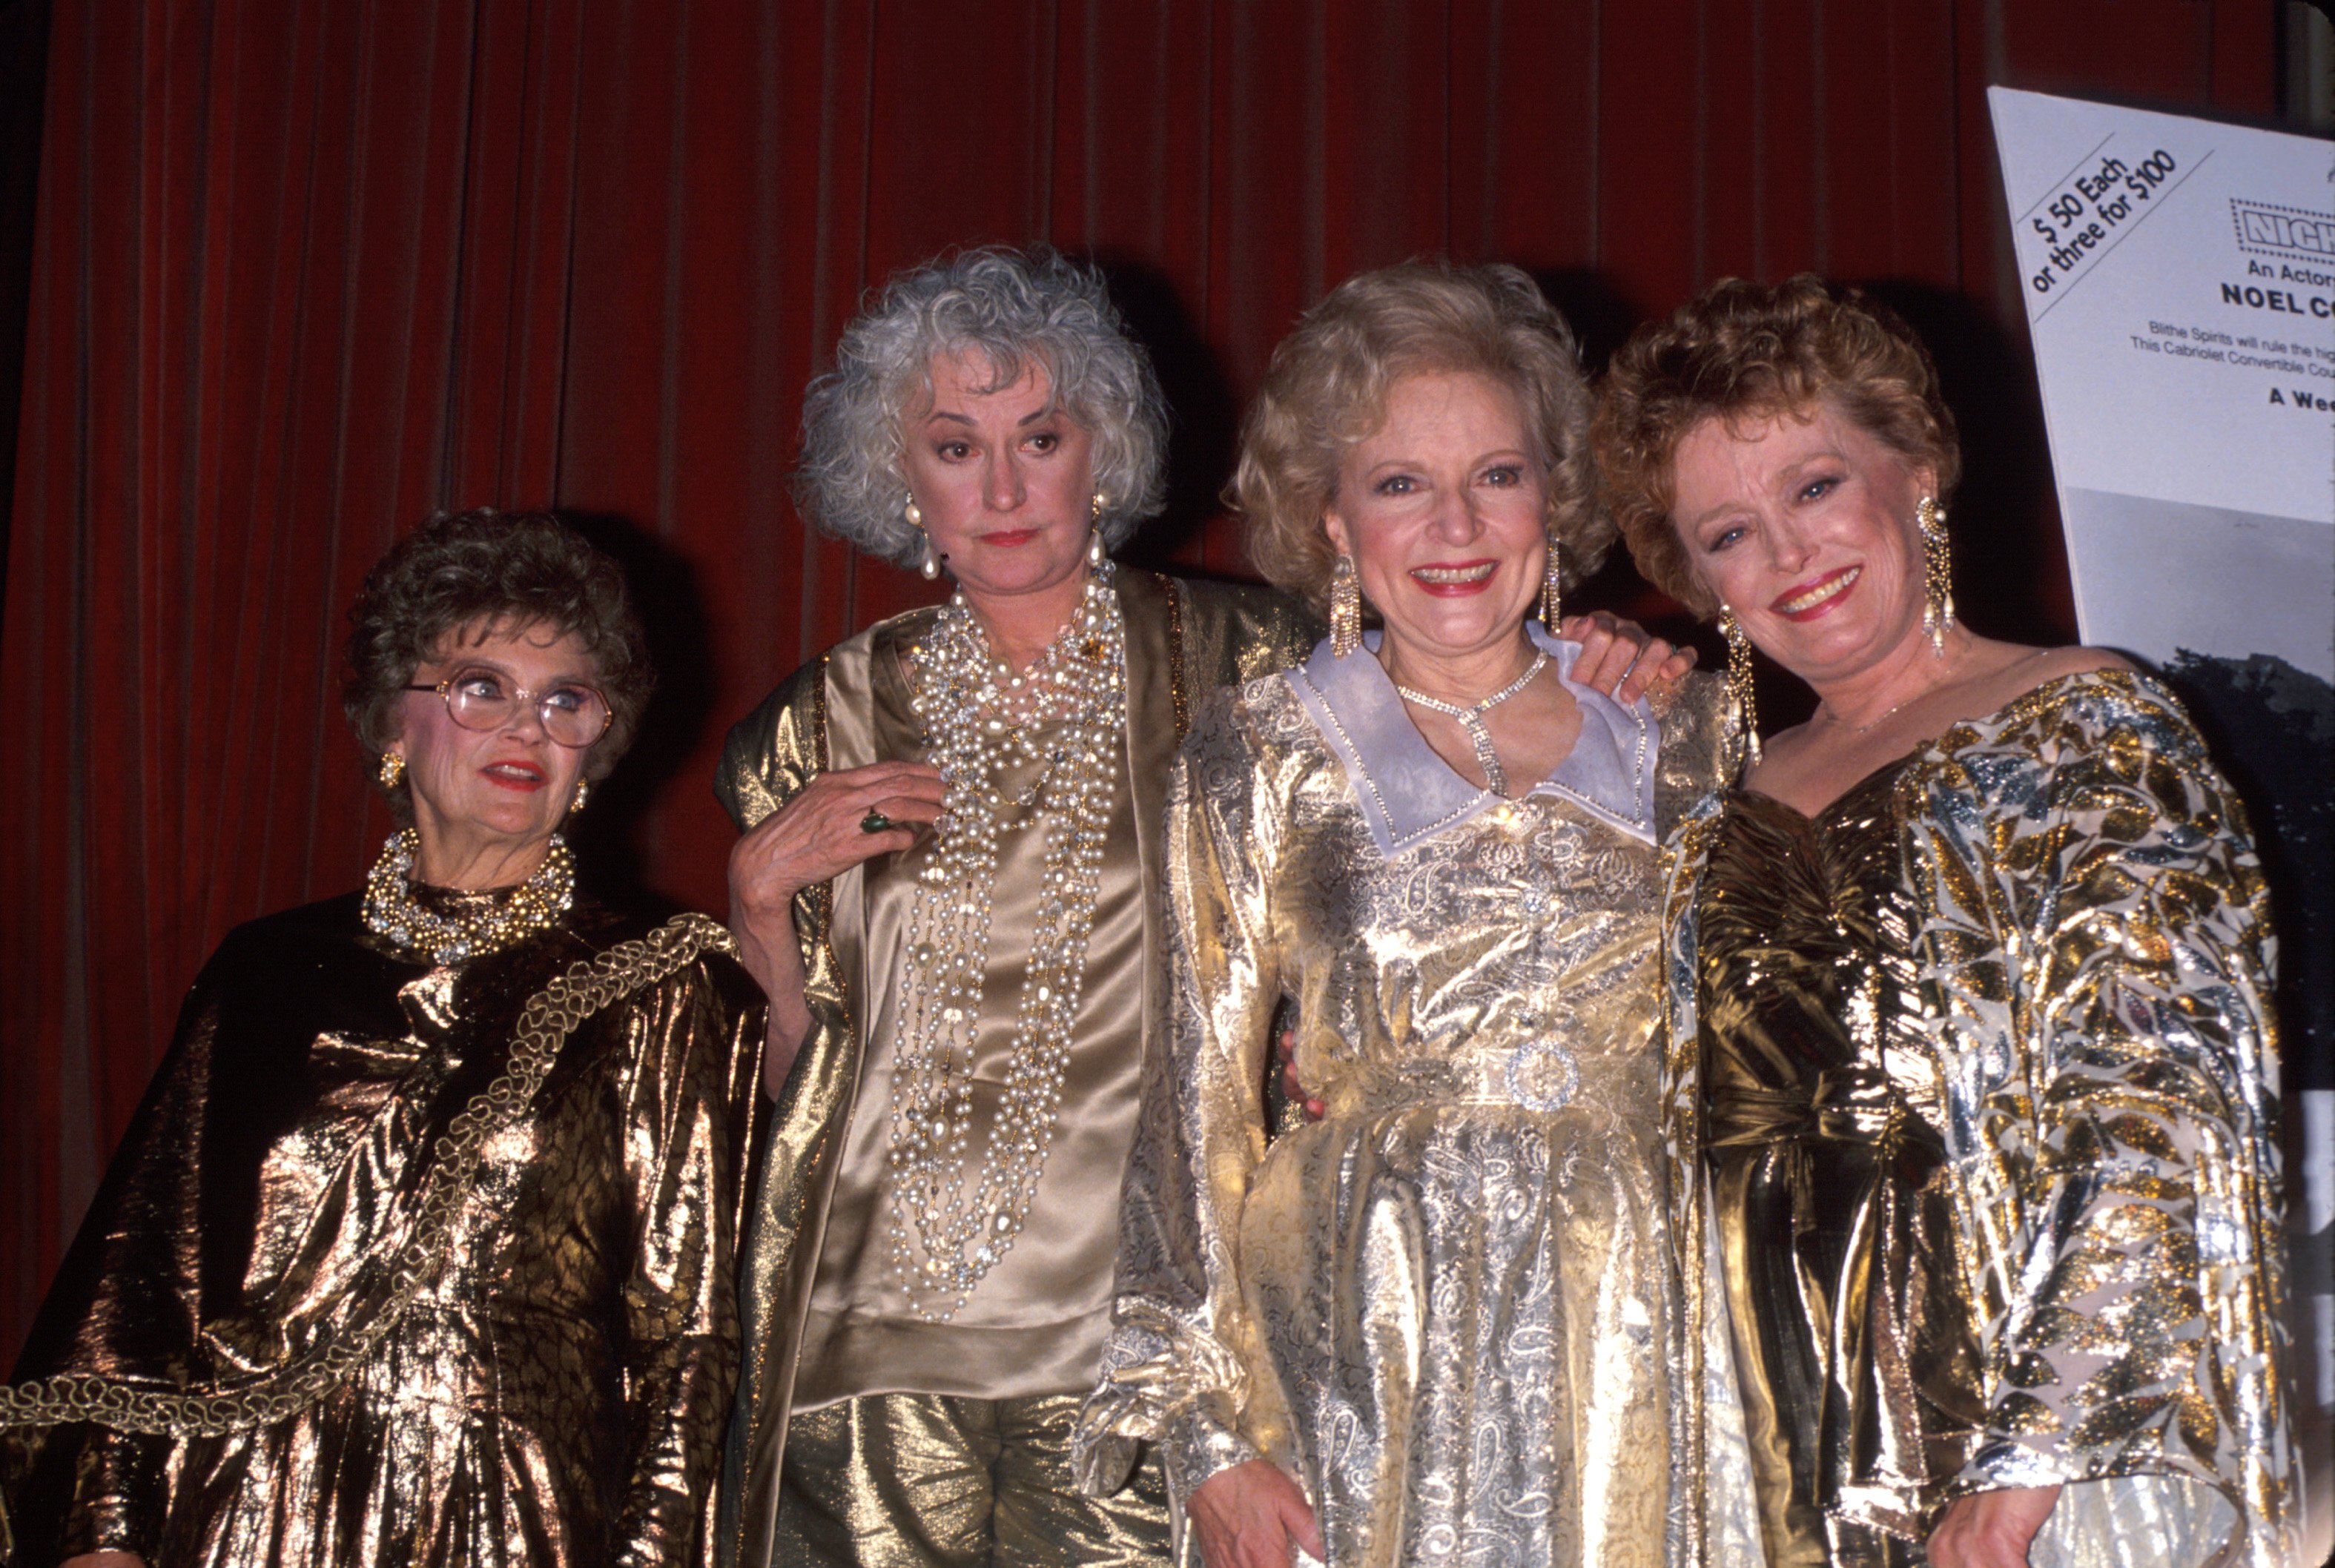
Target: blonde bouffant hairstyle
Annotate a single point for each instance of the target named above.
(1747, 351)
(1327, 387)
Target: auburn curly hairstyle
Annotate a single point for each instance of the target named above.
(1752, 351)
(1327, 388)
(466, 573)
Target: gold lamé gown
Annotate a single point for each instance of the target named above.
(1447, 1307)
(407, 1264)
(1184, 639)
(1859, 1363)
(1974, 1078)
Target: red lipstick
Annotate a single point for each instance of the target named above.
(514, 773)
(1818, 597)
(1455, 579)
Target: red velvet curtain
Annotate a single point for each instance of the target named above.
(305, 270)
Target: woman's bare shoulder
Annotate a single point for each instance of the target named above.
(2020, 671)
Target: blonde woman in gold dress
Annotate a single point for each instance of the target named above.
(1439, 1323)
(418, 1254)
(1972, 1058)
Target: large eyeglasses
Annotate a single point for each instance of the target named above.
(483, 700)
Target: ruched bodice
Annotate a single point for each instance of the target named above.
(1822, 1109)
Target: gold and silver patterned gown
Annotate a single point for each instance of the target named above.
(1976, 1076)
(402, 1263)
(1447, 1307)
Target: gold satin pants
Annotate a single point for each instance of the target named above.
(924, 1481)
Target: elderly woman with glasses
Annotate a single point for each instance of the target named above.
(420, 1250)
(945, 884)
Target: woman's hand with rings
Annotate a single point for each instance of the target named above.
(838, 820)
(1249, 1514)
(1622, 657)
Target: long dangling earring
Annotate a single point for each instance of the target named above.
(1095, 552)
(1937, 575)
(1739, 682)
(1552, 589)
(393, 769)
(583, 792)
(929, 567)
(1345, 608)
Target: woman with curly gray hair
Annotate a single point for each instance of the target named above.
(420, 1249)
(945, 886)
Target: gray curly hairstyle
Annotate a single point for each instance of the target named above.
(1016, 307)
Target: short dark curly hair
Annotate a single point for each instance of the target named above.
(1751, 351)
(476, 570)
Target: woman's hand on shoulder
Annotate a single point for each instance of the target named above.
(1622, 657)
(1248, 1517)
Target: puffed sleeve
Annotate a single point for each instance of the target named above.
(126, 1306)
(2102, 961)
(1175, 1368)
(692, 1041)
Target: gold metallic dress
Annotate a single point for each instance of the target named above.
(405, 1265)
(1446, 1307)
(1975, 1077)
(831, 1356)
(1859, 1363)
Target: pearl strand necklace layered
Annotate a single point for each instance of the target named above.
(978, 718)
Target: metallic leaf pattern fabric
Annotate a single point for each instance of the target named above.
(513, 1182)
(2092, 957)
(1447, 1307)
(1184, 639)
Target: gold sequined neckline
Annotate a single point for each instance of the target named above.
(1880, 781)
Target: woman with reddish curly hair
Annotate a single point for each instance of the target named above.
(1972, 1065)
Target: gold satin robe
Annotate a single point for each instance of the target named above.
(1446, 1307)
(2090, 1039)
(405, 1264)
(1184, 639)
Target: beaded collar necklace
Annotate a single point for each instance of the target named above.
(393, 909)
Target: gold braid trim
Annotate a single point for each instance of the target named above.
(549, 1017)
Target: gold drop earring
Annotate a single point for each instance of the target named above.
(1739, 683)
(583, 791)
(393, 769)
(929, 568)
(1096, 555)
(1345, 608)
(1937, 575)
(1552, 589)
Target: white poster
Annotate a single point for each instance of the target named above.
(2180, 285)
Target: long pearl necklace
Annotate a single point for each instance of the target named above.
(1471, 719)
(979, 718)
(392, 910)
